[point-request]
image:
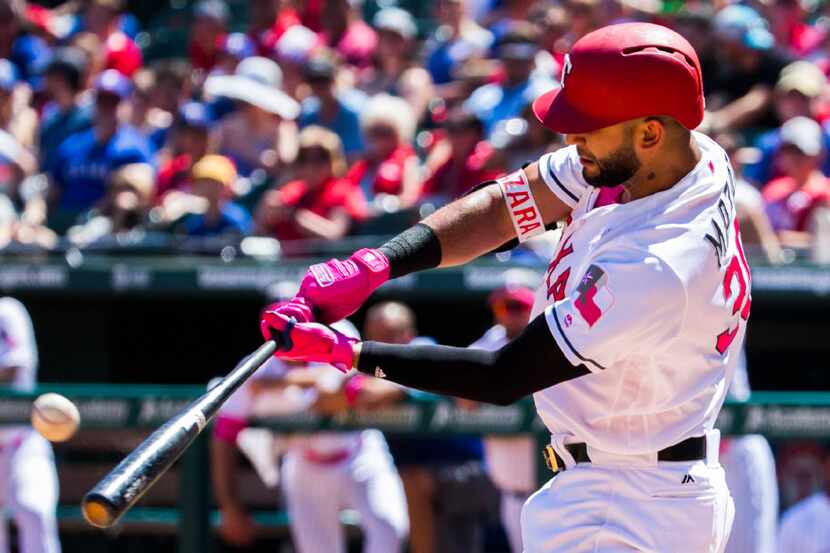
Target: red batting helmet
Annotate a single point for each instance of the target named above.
(623, 72)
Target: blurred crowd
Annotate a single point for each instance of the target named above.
(321, 119)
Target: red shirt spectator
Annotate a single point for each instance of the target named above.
(791, 199)
(122, 54)
(319, 204)
(207, 33)
(455, 177)
(387, 172)
(791, 205)
(387, 175)
(269, 20)
(332, 195)
(345, 32)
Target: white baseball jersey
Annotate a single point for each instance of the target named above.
(804, 527)
(17, 349)
(652, 297)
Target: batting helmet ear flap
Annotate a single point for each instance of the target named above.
(507, 246)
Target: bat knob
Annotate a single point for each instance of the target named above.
(98, 511)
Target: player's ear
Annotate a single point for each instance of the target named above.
(650, 133)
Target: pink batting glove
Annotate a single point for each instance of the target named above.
(311, 342)
(296, 308)
(336, 289)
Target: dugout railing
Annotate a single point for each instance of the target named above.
(778, 415)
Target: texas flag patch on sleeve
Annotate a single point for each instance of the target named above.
(594, 297)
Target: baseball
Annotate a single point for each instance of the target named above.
(55, 417)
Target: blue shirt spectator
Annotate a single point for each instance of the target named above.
(337, 113)
(233, 219)
(455, 41)
(85, 161)
(64, 115)
(83, 164)
(499, 101)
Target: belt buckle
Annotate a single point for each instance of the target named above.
(550, 459)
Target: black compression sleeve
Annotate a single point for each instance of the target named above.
(415, 249)
(530, 363)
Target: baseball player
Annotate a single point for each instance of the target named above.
(638, 325)
(510, 459)
(28, 480)
(321, 473)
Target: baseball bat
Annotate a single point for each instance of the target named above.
(119, 490)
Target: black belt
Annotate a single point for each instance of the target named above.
(690, 449)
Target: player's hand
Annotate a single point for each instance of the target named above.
(336, 289)
(309, 342)
(237, 527)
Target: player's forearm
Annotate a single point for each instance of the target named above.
(471, 226)
(530, 363)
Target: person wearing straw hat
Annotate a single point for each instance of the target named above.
(255, 136)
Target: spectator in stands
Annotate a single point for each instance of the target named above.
(802, 527)
(25, 50)
(551, 19)
(694, 22)
(329, 108)
(123, 208)
(234, 48)
(292, 51)
(447, 490)
(457, 40)
(792, 198)
(65, 114)
(498, 101)
(520, 140)
(345, 32)
(393, 71)
(259, 134)
(207, 33)
(462, 161)
(789, 28)
(268, 20)
(757, 235)
(320, 203)
(796, 94)
(189, 144)
(214, 177)
(388, 174)
(584, 16)
(102, 18)
(172, 85)
(16, 117)
(86, 160)
(147, 118)
(740, 95)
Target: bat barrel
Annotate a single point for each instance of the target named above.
(119, 490)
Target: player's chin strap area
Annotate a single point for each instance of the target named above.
(562, 456)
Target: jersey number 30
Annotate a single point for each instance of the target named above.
(737, 272)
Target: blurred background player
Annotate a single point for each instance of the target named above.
(321, 473)
(510, 460)
(448, 492)
(28, 480)
(804, 526)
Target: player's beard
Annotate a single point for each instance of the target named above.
(614, 169)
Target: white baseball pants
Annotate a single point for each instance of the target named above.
(750, 474)
(29, 491)
(677, 507)
(367, 482)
